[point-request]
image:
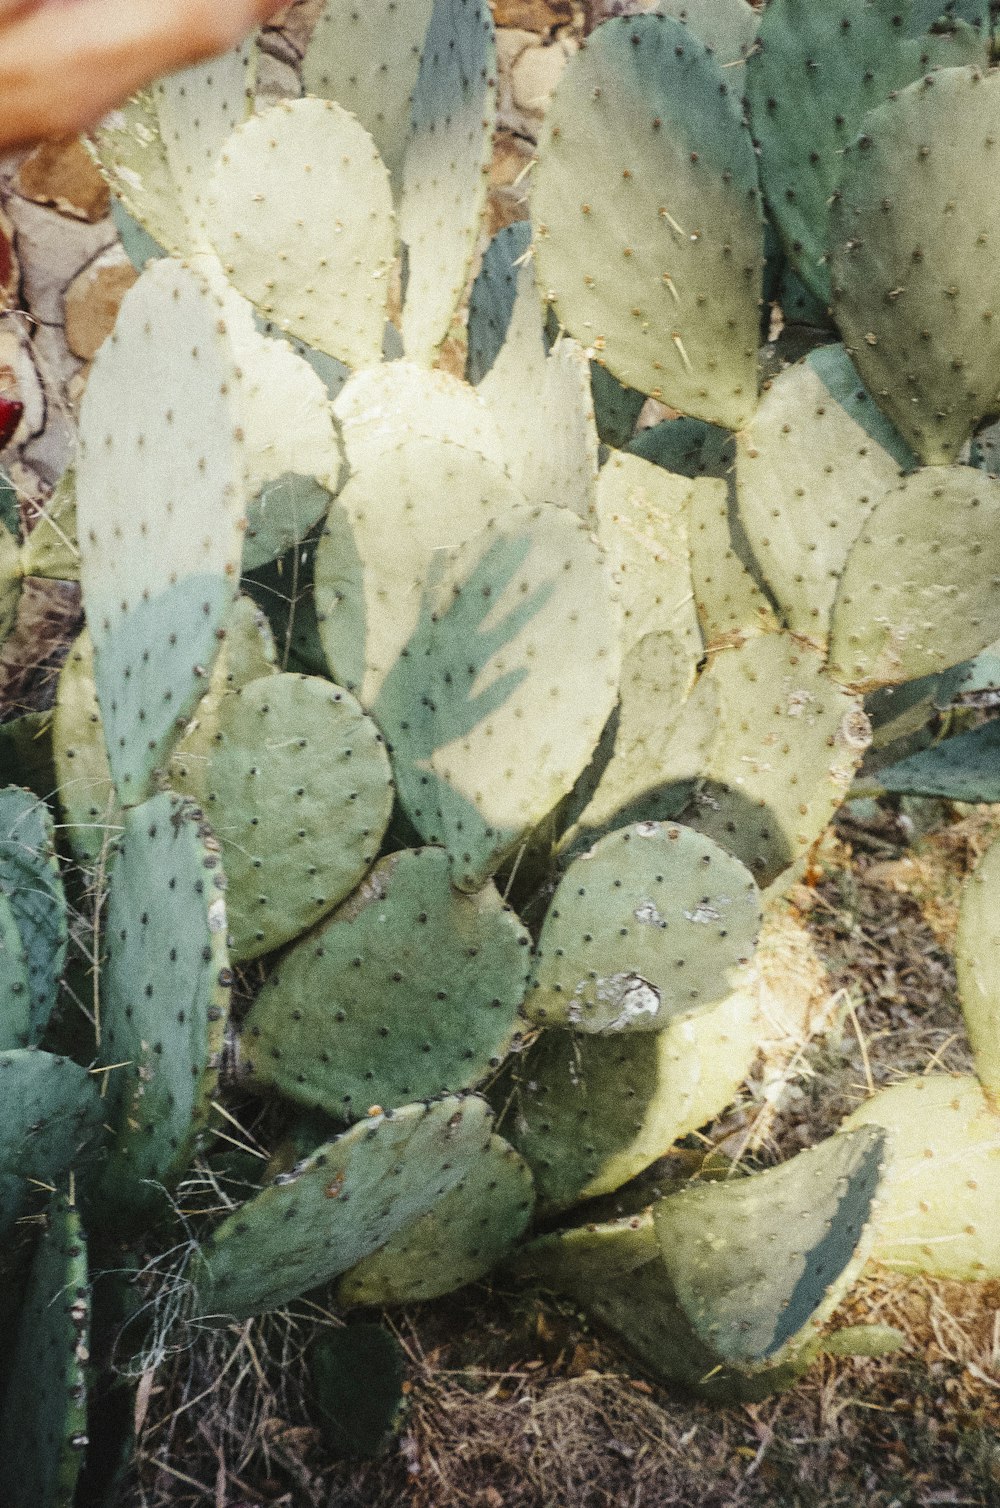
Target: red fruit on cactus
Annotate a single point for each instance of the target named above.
(10, 418)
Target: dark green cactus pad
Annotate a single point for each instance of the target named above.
(331, 291)
(588, 1114)
(154, 613)
(937, 1207)
(444, 174)
(410, 990)
(939, 603)
(491, 302)
(309, 740)
(977, 965)
(43, 1419)
(789, 742)
(811, 465)
(284, 591)
(689, 447)
(31, 888)
(649, 226)
(654, 922)
(51, 1112)
(916, 286)
(663, 742)
(338, 1206)
(728, 590)
(357, 1387)
(367, 58)
(727, 27)
(616, 408)
(15, 987)
(462, 1238)
(816, 72)
(164, 998)
(401, 507)
(963, 768)
(498, 702)
(642, 522)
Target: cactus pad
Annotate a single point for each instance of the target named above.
(159, 519)
(588, 1114)
(460, 1239)
(307, 177)
(445, 168)
(498, 701)
(411, 990)
(32, 888)
(51, 1113)
(977, 964)
(727, 27)
(310, 741)
(43, 1421)
(811, 465)
(937, 604)
(916, 285)
(338, 1206)
(380, 406)
(491, 302)
(165, 997)
(654, 922)
(937, 1211)
(400, 507)
(649, 227)
(789, 742)
(729, 596)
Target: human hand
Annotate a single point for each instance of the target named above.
(65, 63)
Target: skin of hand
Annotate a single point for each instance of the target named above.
(65, 63)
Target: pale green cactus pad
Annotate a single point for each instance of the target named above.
(665, 735)
(642, 522)
(91, 815)
(444, 176)
(921, 588)
(32, 888)
(817, 71)
(338, 1206)
(12, 568)
(43, 1422)
(459, 1240)
(813, 462)
(412, 989)
(165, 998)
(367, 58)
(307, 177)
(789, 742)
(652, 923)
(51, 549)
(588, 1114)
(730, 599)
(380, 406)
(157, 152)
(916, 289)
(542, 402)
(402, 505)
(649, 227)
(728, 27)
(310, 742)
(497, 703)
(937, 1209)
(159, 515)
(977, 964)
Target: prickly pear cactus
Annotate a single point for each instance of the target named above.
(51, 1112)
(410, 990)
(32, 898)
(654, 922)
(977, 948)
(164, 999)
(43, 1414)
(338, 1206)
(649, 233)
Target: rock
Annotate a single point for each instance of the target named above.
(508, 192)
(93, 299)
(277, 77)
(52, 249)
(532, 15)
(19, 379)
(534, 77)
(63, 174)
(10, 271)
(510, 45)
